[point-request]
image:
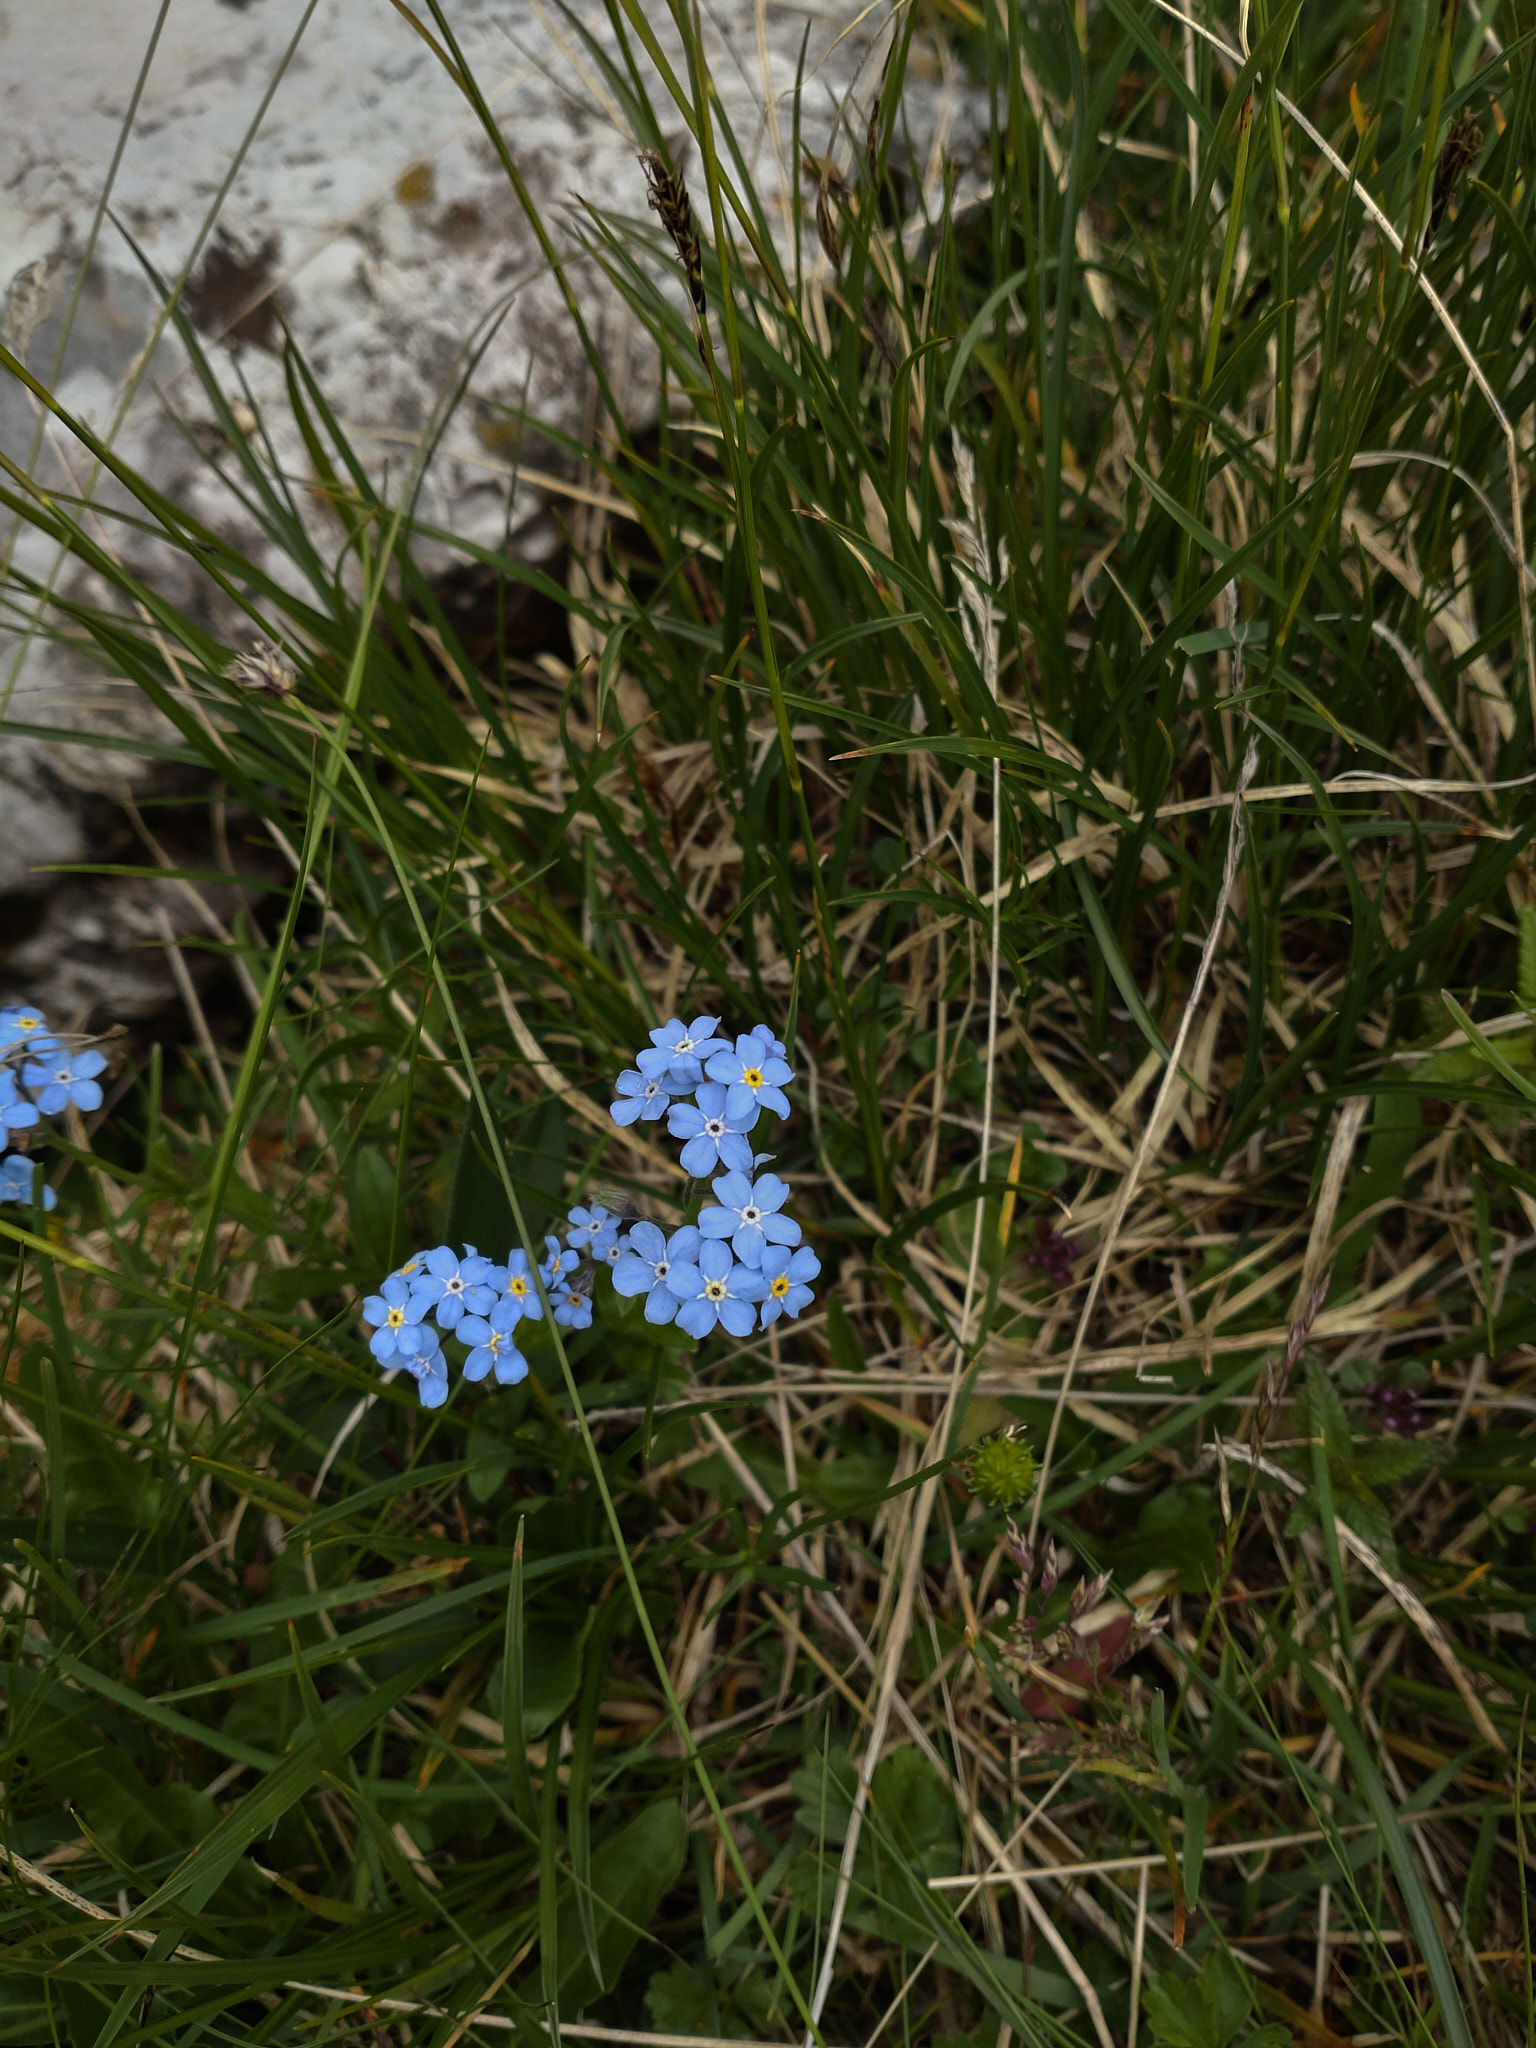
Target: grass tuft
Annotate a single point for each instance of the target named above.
(1053, 640)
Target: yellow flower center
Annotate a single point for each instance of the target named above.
(780, 1287)
(517, 1286)
(715, 1290)
(396, 1318)
(753, 1076)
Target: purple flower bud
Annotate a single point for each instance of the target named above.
(1053, 1255)
(1397, 1409)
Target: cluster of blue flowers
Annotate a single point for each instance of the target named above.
(743, 1260)
(39, 1076)
(478, 1302)
(740, 1266)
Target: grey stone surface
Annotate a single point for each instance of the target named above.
(357, 201)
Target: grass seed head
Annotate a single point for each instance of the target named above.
(264, 667)
(670, 202)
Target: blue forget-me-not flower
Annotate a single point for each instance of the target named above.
(23, 1026)
(556, 1263)
(494, 1349)
(786, 1273)
(65, 1078)
(715, 1289)
(18, 1177)
(715, 1138)
(429, 1368)
(749, 1215)
(453, 1286)
(397, 1316)
(640, 1096)
(753, 1077)
(592, 1230)
(678, 1051)
(647, 1262)
(521, 1296)
(571, 1307)
(16, 1112)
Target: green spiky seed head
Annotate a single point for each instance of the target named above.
(1001, 1469)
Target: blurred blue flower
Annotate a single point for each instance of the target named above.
(494, 1349)
(570, 1307)
(65, 1078)
(678, 1051)
(716, 1290)
(455, 1286)
(753, 1078)
(396, 1315)
(16, 1113)
(715, 1138)
(23, 1025)
(749, 1216)
(518, 1290)
(648, 1261)
(640, 1096)
(592, 1230)
(18, 1177)
(786, 1274)
(413, 1268)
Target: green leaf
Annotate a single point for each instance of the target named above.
(371, 1208)
(825, 1786)
(1391, 1460)
(632, 1872)
(1176, 1530)
(1323, 1415)
(681, 2000)
(1204, 2011)
(478, 1210)
(551, 1673)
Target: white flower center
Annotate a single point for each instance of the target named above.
(714, 1290)
(751, 1215)
(455, 1285)
(661, 1269)
(715, 1128)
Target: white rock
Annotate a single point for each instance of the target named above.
(368, 212)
